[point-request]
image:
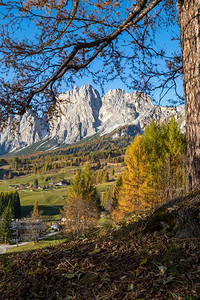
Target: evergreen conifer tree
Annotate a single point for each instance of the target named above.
(36, 183)
(5, 229)
(115, 193)
(175, 160)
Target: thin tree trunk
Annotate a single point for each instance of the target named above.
(189, 23)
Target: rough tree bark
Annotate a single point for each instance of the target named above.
(189, 23)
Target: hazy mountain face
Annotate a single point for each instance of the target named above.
(22, 131)
(82, 113)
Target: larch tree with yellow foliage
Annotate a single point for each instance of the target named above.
(156, 168)
(175, 160)
(134, 194)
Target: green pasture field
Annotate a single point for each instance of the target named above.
(50, 201)
(101, 187)
(55, 175)
(46, 242)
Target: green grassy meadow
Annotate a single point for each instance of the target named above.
(46, 242)
(50, 201)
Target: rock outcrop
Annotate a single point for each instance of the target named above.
(22, 131)
(120, 108)
(77, 115)
(81, 113)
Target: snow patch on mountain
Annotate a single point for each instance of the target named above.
(81, 113)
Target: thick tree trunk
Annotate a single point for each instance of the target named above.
(189, 23)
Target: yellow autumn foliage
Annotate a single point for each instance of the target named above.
(137, 192)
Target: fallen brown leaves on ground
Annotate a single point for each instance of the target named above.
(119, 265)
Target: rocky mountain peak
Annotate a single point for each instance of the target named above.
(81, 113)
(22, 131)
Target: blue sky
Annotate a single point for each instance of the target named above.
(163, 39)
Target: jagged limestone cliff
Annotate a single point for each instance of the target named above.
(81, 113)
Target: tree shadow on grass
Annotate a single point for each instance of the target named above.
(47, 210)
(56, 237)
(5, 173)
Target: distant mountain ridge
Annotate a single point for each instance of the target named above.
(82, 113)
